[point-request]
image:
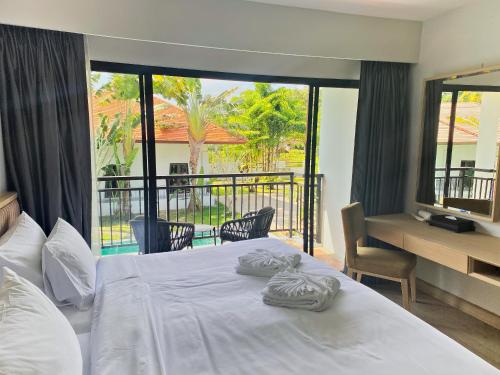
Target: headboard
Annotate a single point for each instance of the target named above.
(9, 211)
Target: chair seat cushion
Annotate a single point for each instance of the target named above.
(384, 262)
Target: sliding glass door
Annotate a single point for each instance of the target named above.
(204, 148)
(227, 148)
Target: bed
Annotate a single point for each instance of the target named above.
(188, 312)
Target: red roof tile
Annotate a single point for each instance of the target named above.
(170, 121)
(463, 134)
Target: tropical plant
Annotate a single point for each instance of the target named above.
(273, 120)
(200, 110)
(115, 144)
(114, 138)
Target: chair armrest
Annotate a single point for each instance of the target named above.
(249, 214)
(181, 235)
(237, 230)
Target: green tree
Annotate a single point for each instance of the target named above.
(200, 111)
(115, 144)
(272, 119)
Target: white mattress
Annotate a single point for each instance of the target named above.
(190, 313)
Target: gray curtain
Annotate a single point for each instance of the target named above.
(45, 124)
(380, 151)
(432, 107)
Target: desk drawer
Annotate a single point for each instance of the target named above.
(384, 232)
(437, 253)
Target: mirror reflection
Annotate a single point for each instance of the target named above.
(460, 143)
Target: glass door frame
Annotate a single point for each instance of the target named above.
(145, 74)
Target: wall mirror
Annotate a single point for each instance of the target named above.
(460, 144)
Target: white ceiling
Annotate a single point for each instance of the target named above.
(417, 10)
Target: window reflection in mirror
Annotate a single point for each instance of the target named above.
(467, 143)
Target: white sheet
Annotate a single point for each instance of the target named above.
(80, 320)
(190, 313)
(84, 341)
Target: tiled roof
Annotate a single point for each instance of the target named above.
(170, 121)
(463, 134)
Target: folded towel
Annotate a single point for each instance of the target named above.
(295, 289)
(266, 263)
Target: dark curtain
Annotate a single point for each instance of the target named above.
(45, 124)
(380, 150)
(432, 107)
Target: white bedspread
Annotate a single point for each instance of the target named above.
(188, 313)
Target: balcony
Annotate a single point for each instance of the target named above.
(217, 198)
(469, 183)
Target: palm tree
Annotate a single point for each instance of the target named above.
(200, 110)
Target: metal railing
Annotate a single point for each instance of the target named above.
(205, 199)
(464, 182)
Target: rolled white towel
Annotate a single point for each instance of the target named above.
(266, 263)
(296, 289)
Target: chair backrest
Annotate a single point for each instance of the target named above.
(263, 221)
(353, 220)
(163, 234)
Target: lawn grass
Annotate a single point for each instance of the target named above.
(111, 226)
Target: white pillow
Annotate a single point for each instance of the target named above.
(21, 249)
(68, 267)
(36, 337)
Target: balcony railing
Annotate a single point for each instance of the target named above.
(219, 197)
(470, 183)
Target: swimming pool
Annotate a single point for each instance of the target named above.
(134, 248)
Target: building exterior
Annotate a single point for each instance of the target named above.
(171, 135)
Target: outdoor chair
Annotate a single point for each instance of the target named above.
(171, 236)
(254, 224)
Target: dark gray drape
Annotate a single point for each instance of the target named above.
(380, 151)
(432, 107)
(45, 124)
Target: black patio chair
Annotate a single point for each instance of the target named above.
(171, 236)
(254, 224)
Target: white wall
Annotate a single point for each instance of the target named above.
(336, 149)
(167, 153)
(459, 40)
(165, 33)
(226, 24)
(159, 54)
(460, 152)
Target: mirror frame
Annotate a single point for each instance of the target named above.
(495, 214)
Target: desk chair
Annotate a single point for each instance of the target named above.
(386, 264)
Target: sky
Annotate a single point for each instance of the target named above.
(212, 86)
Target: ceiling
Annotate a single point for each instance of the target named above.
(417, 10)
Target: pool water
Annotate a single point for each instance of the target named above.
(134, 248)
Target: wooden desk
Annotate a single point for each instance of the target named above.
(472, 253)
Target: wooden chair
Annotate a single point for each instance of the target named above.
(387, 264)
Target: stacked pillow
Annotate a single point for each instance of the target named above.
(21, 249)
(36, 337)
(62, 265)
(68, 267)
